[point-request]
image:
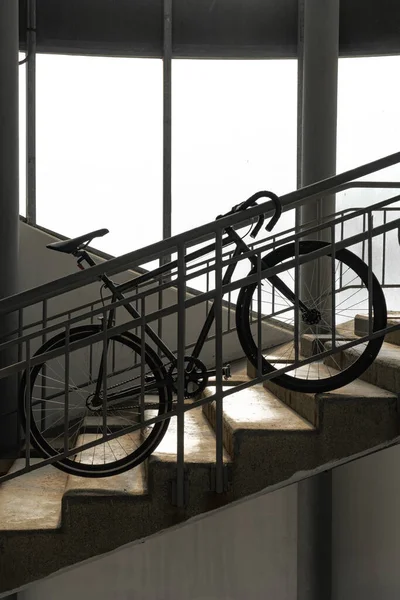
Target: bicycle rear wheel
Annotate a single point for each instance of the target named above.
(59, 381)
(350, 290)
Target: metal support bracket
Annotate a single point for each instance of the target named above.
(226, 481)
(180, 502)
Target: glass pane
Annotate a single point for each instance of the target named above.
(234, 133)
(368, 113)
(368, 129)
(99, 148)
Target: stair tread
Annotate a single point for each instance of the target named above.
(40, 508)
(388, 353)
(257, 408)
(361, 327)
(393, 316)
(199, 441)
(357, 388)
(131, 483)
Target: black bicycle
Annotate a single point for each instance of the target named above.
(98, 390)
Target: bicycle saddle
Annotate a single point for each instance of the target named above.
(72, 245)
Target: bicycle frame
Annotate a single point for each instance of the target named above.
(119, 289)
(118, 294)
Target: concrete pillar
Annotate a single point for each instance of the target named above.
(9, 209)
(314, 538)
(318, 66)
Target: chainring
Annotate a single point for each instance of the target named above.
(196, 378)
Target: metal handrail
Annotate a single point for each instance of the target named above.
(289, 201)
(209, 295)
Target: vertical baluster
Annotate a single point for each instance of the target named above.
(28, 405)
(180, 480)
(66, 386)
(384, 248)
(44, 370)
(259, 316)
(219, 475)
(296, 300)
(142, 359)
(105, 374)
(333, 285)
(370, 295)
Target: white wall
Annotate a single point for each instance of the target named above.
(247, 551)
(366, 528)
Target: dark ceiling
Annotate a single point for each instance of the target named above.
(204, 28)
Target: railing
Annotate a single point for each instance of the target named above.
(161, 299)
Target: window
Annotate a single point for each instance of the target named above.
(234, 133)
(368, 129)
(99, 148)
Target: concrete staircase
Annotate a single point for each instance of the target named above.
(50, 520)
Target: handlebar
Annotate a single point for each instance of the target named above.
(253, 201)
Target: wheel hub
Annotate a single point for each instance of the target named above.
(312, 317)
(94, 403)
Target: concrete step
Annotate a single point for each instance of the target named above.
(200, 460)
(32, 502)
(384, 371)
(361, 327)
(311, 345)
(350, 419)
(94, 516)
(130, 483)
(267, 440)
(102, 514)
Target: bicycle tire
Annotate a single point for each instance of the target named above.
(154, 366)
(337, 380)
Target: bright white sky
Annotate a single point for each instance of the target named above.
(99, 139)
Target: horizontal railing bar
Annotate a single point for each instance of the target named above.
(330, 185)
(303, 362)
(6, 371)
(371, 184)
(202, 297)
(152, 252)
(344, 243)
(354, 213)
(351, 214)
(207, 400)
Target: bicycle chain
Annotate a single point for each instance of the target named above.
(148, 406)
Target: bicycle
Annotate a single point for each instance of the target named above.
(104, 407)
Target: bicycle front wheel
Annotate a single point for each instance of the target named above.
(347, 284)
(68, 410)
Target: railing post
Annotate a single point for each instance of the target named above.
(179, 492)
(9, 211)
(219, 455)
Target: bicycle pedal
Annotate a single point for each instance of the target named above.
(226, 371)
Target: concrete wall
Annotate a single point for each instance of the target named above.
(39, 265)
(366, 528)
(247, 551)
